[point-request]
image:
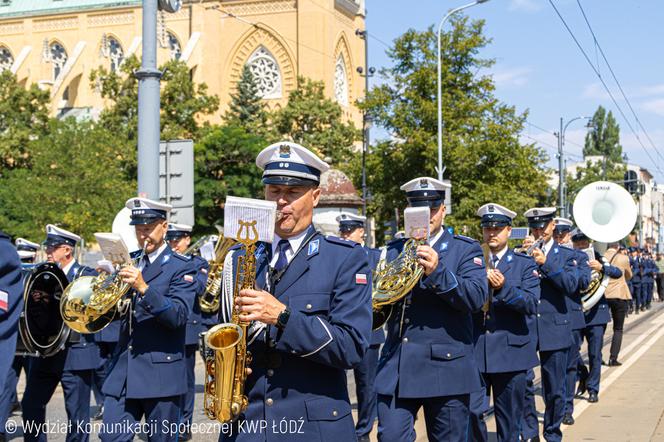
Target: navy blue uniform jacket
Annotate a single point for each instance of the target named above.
(428, 351)
(300, 371)
(11, 303)
(503, 341)
(149, 358)
(558, 278)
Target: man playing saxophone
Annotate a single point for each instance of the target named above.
(179, 239)
(427, 361)
(311, 313)
(147, 374)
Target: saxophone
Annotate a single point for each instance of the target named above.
(226, 344)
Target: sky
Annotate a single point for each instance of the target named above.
(539, 68)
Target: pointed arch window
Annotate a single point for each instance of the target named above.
(115, 53)
(6, 58)
(341, 82)
(267, 75)
(174, 46)
(58, 56)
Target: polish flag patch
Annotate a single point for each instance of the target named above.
(4, 300)
(535, 274)
(188, 278)
(477, 261)
(361, 278)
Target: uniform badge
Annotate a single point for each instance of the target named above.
(188, 278)
(361, 278)
(424, 183)
(313, 247)
(284, 151)
(491, 208)
(443, 246)
(4, 300)
(477, 260)
(165, 260)
(509, 258)
(137, 203)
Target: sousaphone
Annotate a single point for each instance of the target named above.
(605, 212)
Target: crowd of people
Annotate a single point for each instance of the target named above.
(469, 332)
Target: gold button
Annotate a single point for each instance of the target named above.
(335, 413)
(269, 402)
(308, 306)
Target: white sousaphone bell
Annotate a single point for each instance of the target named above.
(606, 213)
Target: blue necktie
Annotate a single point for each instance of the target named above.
(282, 260)
(495, 261)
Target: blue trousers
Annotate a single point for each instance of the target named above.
(44, 376)
(106, 349)
(162, 418)
(636, 295)
(594, 334)
(365, 377)
(8, 395)
(529, 423)
(647, 295)
(446, 418)
(509, 391)
(571, 375)
(189, 397)
(554, 365)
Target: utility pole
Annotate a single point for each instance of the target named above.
(561, 173)
(366, 72)
(148, 100)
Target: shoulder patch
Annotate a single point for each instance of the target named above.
(466, 239)
(343, 242)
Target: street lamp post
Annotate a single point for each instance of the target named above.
(450, 13)
(366, 72)
(562, 205)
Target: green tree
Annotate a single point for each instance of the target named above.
(247, 108)
(481, 149)
(225, 165)
(604, 138)
(316, 122)
(23, 117)
(77, 180)
(183, 102)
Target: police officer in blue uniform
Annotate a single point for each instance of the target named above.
(27, 252)
(558, 278)
(311, 312)
(178, 237)
(72, 367)
(427, 360)
(596, 319)
(147, 375)
(637, 279)
(352, 228)
(649, 273)
(562, 235)
(11, 306)
(504, 346)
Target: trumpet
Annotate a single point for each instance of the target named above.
(529, 251)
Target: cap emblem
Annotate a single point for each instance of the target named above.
(424, 183)
(491, 208)
(284, 151)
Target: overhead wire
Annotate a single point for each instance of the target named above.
(615, 78)
(606, 88)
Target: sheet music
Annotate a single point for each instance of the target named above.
(416, 220)
(113, 248)
(590, 252)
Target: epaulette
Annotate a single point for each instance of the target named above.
(466, 239)
(182, 257)
(337, 240)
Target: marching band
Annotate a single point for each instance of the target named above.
(284, 311)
